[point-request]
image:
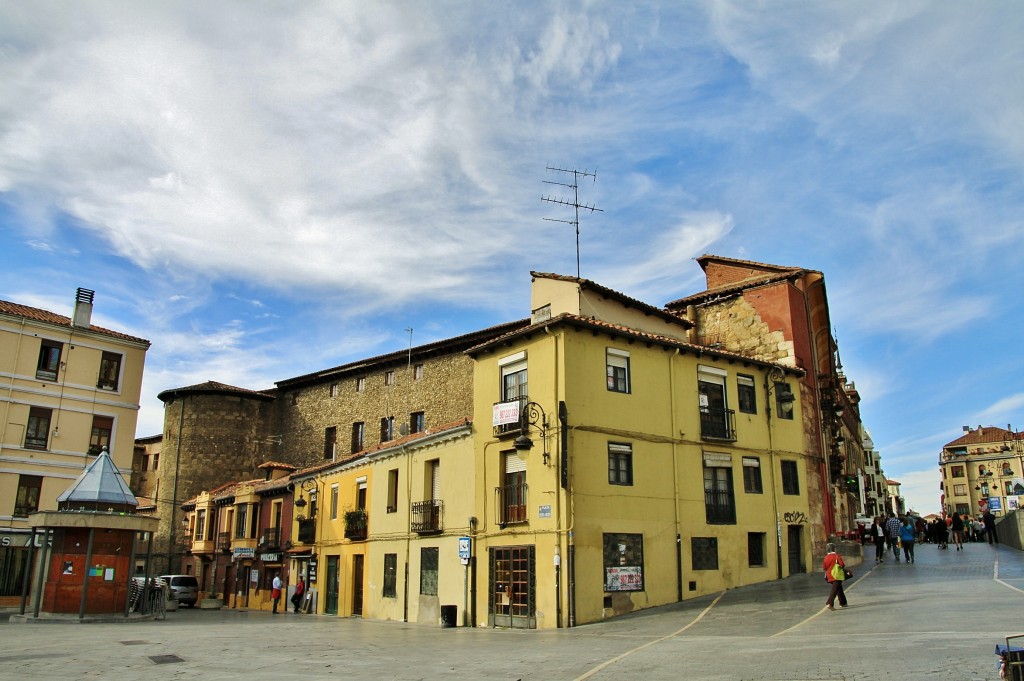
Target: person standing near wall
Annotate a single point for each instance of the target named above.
(275, 593)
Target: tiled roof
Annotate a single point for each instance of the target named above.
(278, 465)
(47, 317)
(630, 332)
(774, 273)
(212, 388)
(448, 345)
(985, 435)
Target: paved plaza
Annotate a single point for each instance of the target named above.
(938, 618)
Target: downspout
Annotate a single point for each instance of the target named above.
(771, 464)
(675, 473)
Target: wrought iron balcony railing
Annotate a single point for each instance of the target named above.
(718, 424)
(511, 503)
(356, 524)
(428, 516)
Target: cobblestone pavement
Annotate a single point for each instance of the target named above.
(938, 618)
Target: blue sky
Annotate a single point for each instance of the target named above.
(266, 189)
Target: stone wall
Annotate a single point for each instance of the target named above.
(444, 394)
(735, 325)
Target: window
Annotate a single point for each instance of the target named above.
(360, 385)
(49, 360)
(745, 394)
(960, 490)
(200, 531)
(513, 378)
(240, 518)
(102, 426)
(156, 460)
(358, 433)
(390, 575)
(334, 502)
(417, 372)
(27, 500)
(1006, 468)
(334, 389)
(963, 509)
(623, 562)
(512, 493)
(110, 371)
(755, 549)
(620, 464)
(617, 369)
(790, 478)
(330, 442)
(752, 475)
(361, 494)
(958, 471)
(392, 490)
(387, 428)
(389, 378)
(417, 422)
(428, 571)
(784, 408)
(37, 431)
(719, 502)
(704, 552)
(715, 417)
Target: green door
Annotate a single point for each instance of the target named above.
(331, 602)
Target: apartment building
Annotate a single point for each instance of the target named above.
(983, 469)
(70, 390)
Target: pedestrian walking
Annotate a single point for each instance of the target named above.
(979, 529)
(990, 526)
(877, 533)
(892, 534)
(908, 535)
(300, 588)
(835, 575)
(958, 531)
(275, 593)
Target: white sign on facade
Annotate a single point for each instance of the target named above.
(506, 413)
(628, 578)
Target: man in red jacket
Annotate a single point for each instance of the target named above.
(833, 559)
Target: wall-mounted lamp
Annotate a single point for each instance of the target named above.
(532, 414)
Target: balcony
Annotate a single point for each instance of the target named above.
(508, 429)
(427, 517)
(307, 531)
(185, 543)
(718, 424)
(511, 503)
(224, 542)
(355, 525)
(271, 538)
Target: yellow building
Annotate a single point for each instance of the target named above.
(70, 389)
(983, 470)
(627, 467)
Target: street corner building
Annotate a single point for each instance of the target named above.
(600, 457)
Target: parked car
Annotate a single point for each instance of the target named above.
(184, 587)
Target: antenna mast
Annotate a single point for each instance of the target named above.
(574, 203)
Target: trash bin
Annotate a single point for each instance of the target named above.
(449, 615)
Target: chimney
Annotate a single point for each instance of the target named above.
(82, 317)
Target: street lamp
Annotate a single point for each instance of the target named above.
(532, 414)
(774, 383)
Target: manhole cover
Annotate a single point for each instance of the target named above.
(165, 659)
(134, 643)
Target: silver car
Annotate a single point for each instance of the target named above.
(184, 587)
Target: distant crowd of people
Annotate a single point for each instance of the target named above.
(894, 534)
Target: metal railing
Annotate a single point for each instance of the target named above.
(224, 542)
(356, 524)
(718, 424)
(271, 537)
(511, 503)
(510, 428)
(427, 516)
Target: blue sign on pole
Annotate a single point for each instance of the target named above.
(464, 549)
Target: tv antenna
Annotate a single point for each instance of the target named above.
(574, 203)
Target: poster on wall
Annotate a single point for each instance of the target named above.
(629, 578)
(1012, 503)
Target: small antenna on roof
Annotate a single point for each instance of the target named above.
(574, 203)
